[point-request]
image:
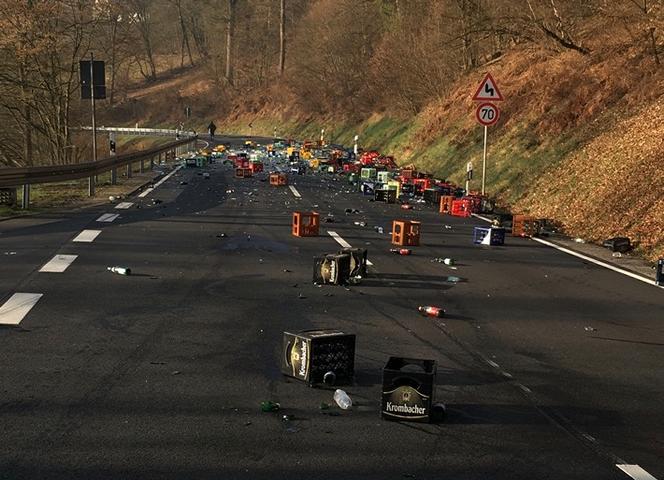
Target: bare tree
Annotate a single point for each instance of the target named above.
(230, 25)
(282, 36)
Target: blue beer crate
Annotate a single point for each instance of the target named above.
(488, 236)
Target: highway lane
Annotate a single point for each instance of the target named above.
(159, 375)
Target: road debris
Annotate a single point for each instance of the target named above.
(120, 270)
(342, 399)
(430, 311)
(590, 329)
(270, 406)
(401, 251)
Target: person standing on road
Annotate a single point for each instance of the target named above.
(211, 129)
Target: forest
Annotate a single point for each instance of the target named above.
(348, 58)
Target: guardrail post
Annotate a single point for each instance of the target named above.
(91, 186)
(142, 168)
(26, 197)
(129, 168)
(114, 176)
(152, 162)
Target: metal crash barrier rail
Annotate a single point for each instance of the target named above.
(26, 176)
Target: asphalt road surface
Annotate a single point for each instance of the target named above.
(550, 367)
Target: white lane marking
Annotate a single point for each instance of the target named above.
(17, 307)
(524, 388)
(586, 258)
(493, 364)
(636, 472)
(145, 192)
(148, 190)
(598, 262)
(505, 374)
(295, 192)
(108, 217)
(338, 239)
(124, 205)
(87, 236)
(342, 242)
(58, 264)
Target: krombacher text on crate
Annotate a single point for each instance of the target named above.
(310, 354)
(408, 389)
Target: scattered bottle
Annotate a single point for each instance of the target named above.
(430, 311)
(448, 261)
(453, 279)
(120, 270)
(329, 378)
(401, 251)
(378, 229)
(342, 399)
(405, 206)
(269, 406)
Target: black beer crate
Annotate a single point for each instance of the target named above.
(332, 269)
(408, 389)
(385, 195)
(310, 354)
(358, 261)
(432, 195)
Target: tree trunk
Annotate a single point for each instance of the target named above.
(27, 121)
(230, 24)
(653, 42)
(282, 34)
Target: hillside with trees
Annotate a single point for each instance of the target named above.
(580, 138)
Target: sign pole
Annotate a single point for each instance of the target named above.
(91, 180)
(484, 159)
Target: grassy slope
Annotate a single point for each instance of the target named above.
(577, 141)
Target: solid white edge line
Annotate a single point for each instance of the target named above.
(587, 258)
(636, 472)
(58, 263)
(337, 238)
(87, 236)
(145, 192)
(598, 262)
(17, 307)
(148, 190)
(294, 190)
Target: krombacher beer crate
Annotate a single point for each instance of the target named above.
(385, 195)
(332, 269)
(310, 354)
(408, 389)
(358, 261)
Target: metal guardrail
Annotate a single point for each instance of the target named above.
(26, 176)
(150, 132)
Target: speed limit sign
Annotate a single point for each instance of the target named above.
(487, 114)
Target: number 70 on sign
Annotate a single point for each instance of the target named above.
(487, 114)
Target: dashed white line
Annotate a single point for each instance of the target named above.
(108, 217)
(524, 388)
(586, 258)
(58, 264)
(17, 307)
(295, 192)
(506, 375)
(148, 190)
(123, 205)
(342, 242)
(636, 472)
(493, 364)
(87, 236)
(338, 239)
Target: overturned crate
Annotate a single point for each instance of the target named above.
(446, 203)
(319, 356)
(243, 172)
(386, 195)
(305, 224)
(406, 233)
(525, 226)
(278, 179)
(488, 236)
